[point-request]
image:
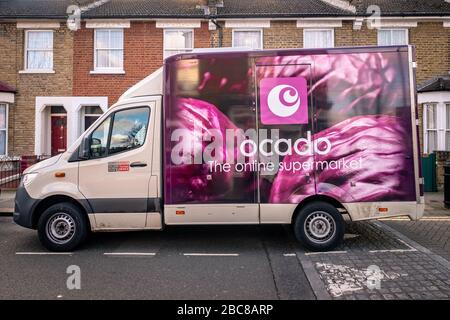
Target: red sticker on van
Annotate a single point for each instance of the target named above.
(118, 166)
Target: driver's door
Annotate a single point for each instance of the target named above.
(115, 178)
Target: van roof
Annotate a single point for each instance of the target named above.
(199, 54)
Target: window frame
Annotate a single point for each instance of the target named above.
(406, 30)
(112, 70)
(261, 36)
(26, 49)
(442, 127)
(305, 31)
(446, 108)
(165, 48)
(426, 129)
(84, 115)
(6, 129)
(112, 115)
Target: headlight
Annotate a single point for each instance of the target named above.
(28, 178)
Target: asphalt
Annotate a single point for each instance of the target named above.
(235, 262)
(209, 262)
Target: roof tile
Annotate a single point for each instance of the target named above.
(56, 9)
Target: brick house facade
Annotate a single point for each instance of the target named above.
(75, 85)
(21, 113)
(143, 43)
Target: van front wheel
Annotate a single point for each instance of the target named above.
(319, 226)
(62, 227)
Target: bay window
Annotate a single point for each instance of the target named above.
(90, 115)
(3, 129)
(436, 120)
(430, 126)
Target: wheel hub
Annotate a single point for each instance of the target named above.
(60, 228)
(320, 226)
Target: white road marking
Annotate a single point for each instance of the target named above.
(290, 254)
(411, 249)
(151, 254)
(341, 279)
(435, 219)
(351, 236)
(325, 252)
(44, 253)
(406, 244)
(392, 250)
(211, 254)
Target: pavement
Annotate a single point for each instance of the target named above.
(433, 230)
(7, 201)
(389, 259)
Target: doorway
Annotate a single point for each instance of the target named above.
(58, 130)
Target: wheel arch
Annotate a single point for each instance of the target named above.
(316, 198)
(54, 199)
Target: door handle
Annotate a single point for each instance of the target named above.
(138, 164)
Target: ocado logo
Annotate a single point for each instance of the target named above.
(283, 100)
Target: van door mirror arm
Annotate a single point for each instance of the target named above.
(84, 151)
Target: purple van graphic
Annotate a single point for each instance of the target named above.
(284, 100)
(363, 109)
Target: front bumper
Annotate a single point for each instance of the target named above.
(24, 206)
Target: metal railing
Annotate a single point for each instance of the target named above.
(12, 168)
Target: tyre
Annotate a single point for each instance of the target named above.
(62, 227)
(319, 226)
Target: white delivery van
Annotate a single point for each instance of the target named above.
(295, 137)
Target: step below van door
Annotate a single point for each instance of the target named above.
(285, 125)
(115, 179)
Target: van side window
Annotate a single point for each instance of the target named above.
(99, 139)
(129, 129)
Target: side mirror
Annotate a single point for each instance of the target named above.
(84, 150)
(96, 142)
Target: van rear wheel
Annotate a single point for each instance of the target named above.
(62, 227)
(319, 226)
